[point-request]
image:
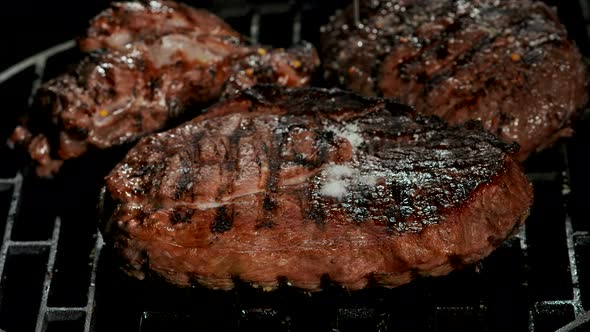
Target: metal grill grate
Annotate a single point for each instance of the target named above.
(50, 254)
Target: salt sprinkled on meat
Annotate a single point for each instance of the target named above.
(340, 171)
(368, 180)
(351, 132)
(337, 180)
(335, 188)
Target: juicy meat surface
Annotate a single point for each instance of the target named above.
(136, 87)
(508, 63)
(298, 184)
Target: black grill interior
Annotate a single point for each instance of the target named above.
(56, 275)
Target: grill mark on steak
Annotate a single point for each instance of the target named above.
(378, 208)
(275, 162)
(223, 221)
(231, 164)
(230, 167)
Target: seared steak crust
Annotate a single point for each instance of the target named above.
(507, 63)
(295, 185)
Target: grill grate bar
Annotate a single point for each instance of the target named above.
(12, 213)
(31, 61)
(585, 5)
(39, 72)
(579, 322)
(296, 38)
(7, 181)
(92, 287)
(54, 310)
(577, 300)
(42, 316)
(64, 314)
(30, 244)
(569, 230)
(522, 241)
(555, 302)
(531, 321)
(255, 27)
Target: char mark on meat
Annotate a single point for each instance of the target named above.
(223, 221)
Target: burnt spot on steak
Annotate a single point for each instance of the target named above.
(269, 204)
(386, 192)
(269, 207)
(506, 63)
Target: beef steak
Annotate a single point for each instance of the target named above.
(508, 63)
(297, 184)
(151, 63)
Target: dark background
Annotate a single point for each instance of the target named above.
(27, 27)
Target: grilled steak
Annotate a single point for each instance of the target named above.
(294, 185)
(507, 63)
(117, 95)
